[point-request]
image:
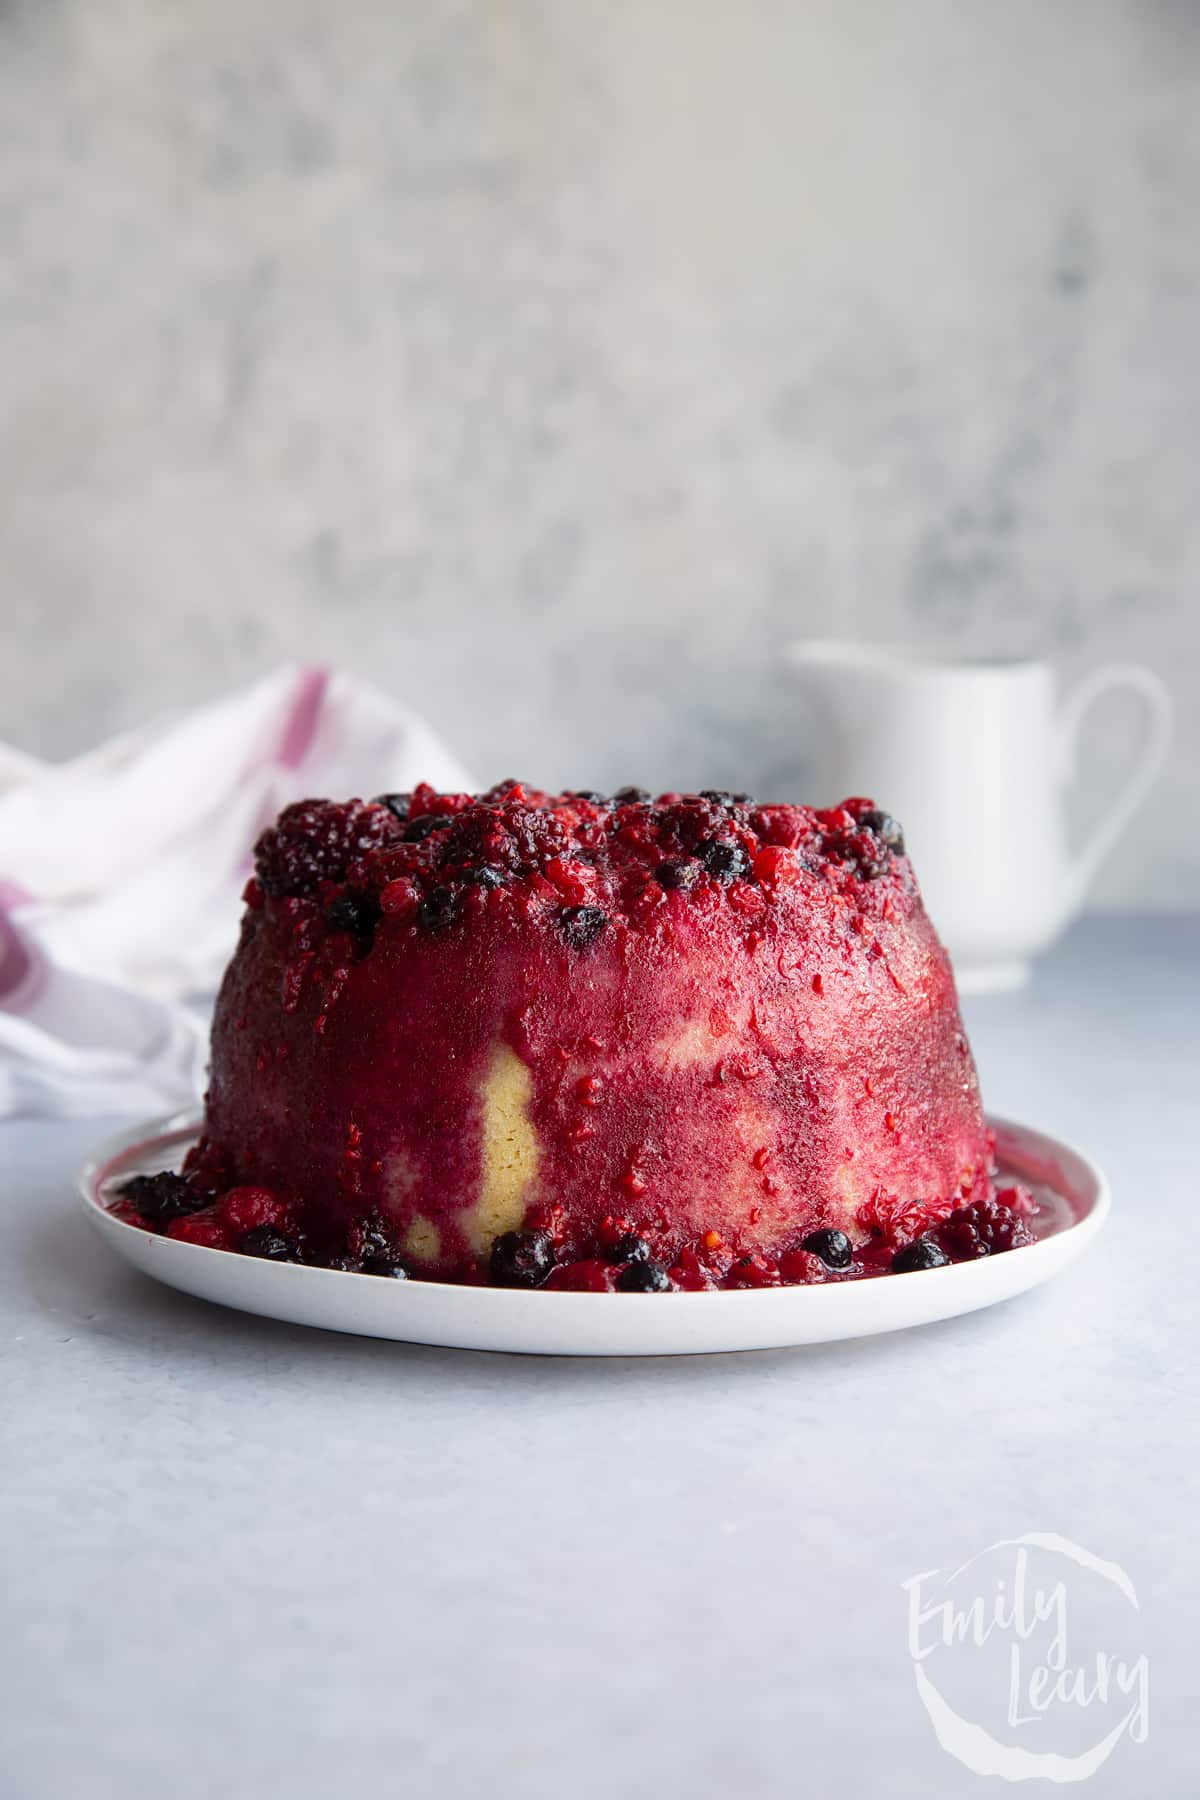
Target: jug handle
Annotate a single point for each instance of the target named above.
(1158, 712)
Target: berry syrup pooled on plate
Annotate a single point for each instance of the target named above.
(600, 1043)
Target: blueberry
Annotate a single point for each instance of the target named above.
(644, 1278)
(922, 1253)
(350, 1265)
(522, 1259)
(833, 1247)
(265, 1241)
(356, 913)
(590, 795)
(163, 1197)
(418, 829)
(397, 804)
(485, 875)
(630, 796)
(630, 1249)
(582, 925)
(724, 862)
(383, 1265)
(884, 827)
(373, 1237)
(676, 874)
(438, 909)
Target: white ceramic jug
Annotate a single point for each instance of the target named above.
(973, 759)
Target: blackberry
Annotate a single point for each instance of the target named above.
(418, 829)
(522, 1258)
(629, 1249)
(922, 1253)
(582, 925)
(884, 827)
(723, 861)
(833, 1247)
(163, 1197)
(438, 909)
(265, 1241)
(677, 874)
(644, 1278)
(985, 1228)
(630, 796)
(317, 840)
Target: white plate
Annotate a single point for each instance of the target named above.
(565, 1324)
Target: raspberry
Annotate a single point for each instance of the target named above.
(802, 1266)
(985, 1228)
(245, 1209)
(318, 840)
(754, 1271)
(201, 1228)
(587, 1277)
(689, 1273)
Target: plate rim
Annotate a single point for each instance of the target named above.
(483, 1317)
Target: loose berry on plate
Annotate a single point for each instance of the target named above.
(754, 1271)
(922, 1253)
(200, 1228)
(522, 1259)
(244, 1209)
(629, 1249)
(266, 1242)
(163, 1197)
(985, 1228)
(801, 1266)
(586, 1277)
(383, 1265)
(833, 1247)
(644, 1278)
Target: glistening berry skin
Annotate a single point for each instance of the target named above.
(922, 1253)
(711, 1018)
(833, 1247)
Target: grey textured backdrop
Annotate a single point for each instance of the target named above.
(553, 363)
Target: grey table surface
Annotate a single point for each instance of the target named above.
(241, 1557)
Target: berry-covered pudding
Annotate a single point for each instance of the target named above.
(589, 1042)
